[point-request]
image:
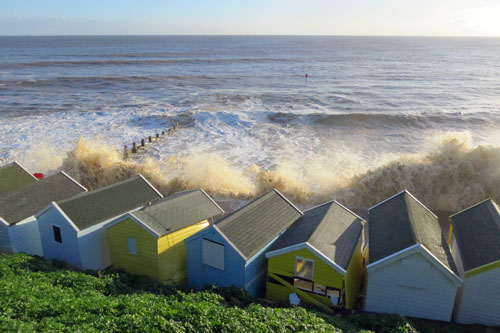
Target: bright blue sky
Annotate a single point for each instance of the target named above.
(296, 17)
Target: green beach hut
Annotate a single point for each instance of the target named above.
(150, 240)
(14, 176)
(319, 258)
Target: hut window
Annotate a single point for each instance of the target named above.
(132, 246)
(414, 271)
(57, 234)
(304, 268)
(334, 295)
(213, 254)
(303, 284)
(319, 289)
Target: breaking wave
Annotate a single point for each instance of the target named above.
(449, 177)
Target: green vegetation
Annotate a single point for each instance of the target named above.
(36, 295)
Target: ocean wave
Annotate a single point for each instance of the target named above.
(93, 81)
(378, 120)
(451, 176)
(142, 61)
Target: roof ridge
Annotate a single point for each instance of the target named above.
(413, 228)
(288, 201)
(470, 207)
(73, 180)
(24, 169)
(101, 189)
(321, 219)
(317, 206)
(20, 166)
(421, 204)
(158, 202)
(243, 207)
(349, 211)
(385, 200)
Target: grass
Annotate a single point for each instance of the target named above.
(42, 295)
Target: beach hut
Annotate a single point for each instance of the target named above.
(14, 176)
(231, 252)
(73, 230)
(475, 245)
(150, 240)
(319, 258)
(410, 271)
(18, 226)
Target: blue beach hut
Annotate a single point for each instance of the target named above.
(231, 252)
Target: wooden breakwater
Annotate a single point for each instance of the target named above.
(137, 148)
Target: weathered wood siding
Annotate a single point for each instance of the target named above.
(354, 278)
(200, 275)
(25, 237)
(434, 300)
(145, 262)
(68, 250)
(285, 265)
(172, 254)
(94, 249)
(480, 299)
(5, 245)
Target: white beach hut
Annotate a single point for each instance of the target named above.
(410, 270)
(72, 230)
(18, 226)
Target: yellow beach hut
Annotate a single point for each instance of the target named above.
(319, 258)
(150, 241)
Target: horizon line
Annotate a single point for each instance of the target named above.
(248, 35)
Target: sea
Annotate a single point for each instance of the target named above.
(355, 119)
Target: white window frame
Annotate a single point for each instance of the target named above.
(132, 249)
(305, 259)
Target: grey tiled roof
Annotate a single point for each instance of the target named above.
(253, 226)
(178, 211)
(477, 230)
(91, 208)
(401, 222)
(17, 205)
(13, 176)
(330, 228)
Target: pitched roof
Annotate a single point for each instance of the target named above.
(330, 228)
(477, 230)
(402, 221)
(26, 201)
(177, 211)
(14, 176)
(91, 208)
(253, 226)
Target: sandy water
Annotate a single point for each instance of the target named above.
(376, 115)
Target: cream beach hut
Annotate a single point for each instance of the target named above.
(18, 226)
(410, 271)
(14, 176)
(72, 230)
(475, 245)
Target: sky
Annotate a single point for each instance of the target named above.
(251, 17)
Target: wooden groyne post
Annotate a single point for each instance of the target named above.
(151, 139)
